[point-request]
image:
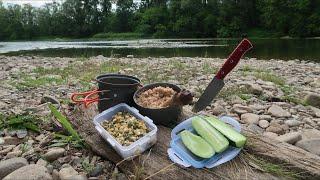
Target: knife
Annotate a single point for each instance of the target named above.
(217, 83)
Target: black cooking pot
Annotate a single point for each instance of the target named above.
(115, 89)
(163, 116)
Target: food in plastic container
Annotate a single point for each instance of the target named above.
(135, 148)
(125, 128)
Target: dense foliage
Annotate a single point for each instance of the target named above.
(162, 18)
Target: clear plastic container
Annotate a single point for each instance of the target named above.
(138, 146)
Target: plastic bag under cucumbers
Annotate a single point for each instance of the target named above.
(197, 145)
(226, 130)
(218, 142)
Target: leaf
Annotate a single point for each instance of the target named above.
(58, 144)
(31, 126)
(64, 122)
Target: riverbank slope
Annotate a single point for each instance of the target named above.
(279, 99)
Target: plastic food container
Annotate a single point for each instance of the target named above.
(178, 153)
(138, 146)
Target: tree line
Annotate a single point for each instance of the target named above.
(162, 18)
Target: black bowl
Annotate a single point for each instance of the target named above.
(163, 116)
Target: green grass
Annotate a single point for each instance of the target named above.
(118, 36)
(242, 92)
(280, 170)
(208, 69)
(61, 140)
(84, 72)
(29, 82)
(20, 121)
(271, 77)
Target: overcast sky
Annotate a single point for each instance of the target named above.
(36, 3)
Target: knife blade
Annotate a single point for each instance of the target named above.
(217, 82)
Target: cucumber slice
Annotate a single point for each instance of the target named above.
(226, 130)
(218, 142)
(196, 144)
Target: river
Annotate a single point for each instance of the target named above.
(285, 49)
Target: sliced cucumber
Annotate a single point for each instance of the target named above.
(226, 130)
(218, 142)
(196, 144)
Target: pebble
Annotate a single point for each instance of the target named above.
(32, 172)
(311, 145)
(290, 138)
(55, 175)
(9, 165)
(9, 140)
(312, 99)
(275, 129)
(250, 118)
(42, 162)
(97, 170)
(217, 110)
(67, 173)
(292, 122)
(263, 123)
(54, 153)
(265, 117)
(21, 133)
(278, 111)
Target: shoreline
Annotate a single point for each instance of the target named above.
(269, 97)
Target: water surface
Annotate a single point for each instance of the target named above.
(286, 49)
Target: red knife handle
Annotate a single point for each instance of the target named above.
(234, 58)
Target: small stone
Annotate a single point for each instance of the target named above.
(14, 154)
(254, 88)
(250, 118)
(55, 175)
(240, 109)
(310, 134)
(311, 145)
(21, 133)
(9, 140)
(1, 141)
(40, 137)
(270, 135)
(316, 111)
(33, 171)
(263, 123)
(67, 173)
(290, 138)
(275, 129)
(265, 117)
(256, 129)
(10, 165)
(292, 122)
(42, 162)
(96, 171)
(53, 154)
(50, 168)
(130, 56)
(312, 99)
(277, 111)
(79, 177)
(217, 110)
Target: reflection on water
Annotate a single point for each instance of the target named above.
(304, 49)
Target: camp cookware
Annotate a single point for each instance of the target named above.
(217, 83)
(168, 115)
(163, 116)
(112, 90)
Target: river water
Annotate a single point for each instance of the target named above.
(286, 49)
